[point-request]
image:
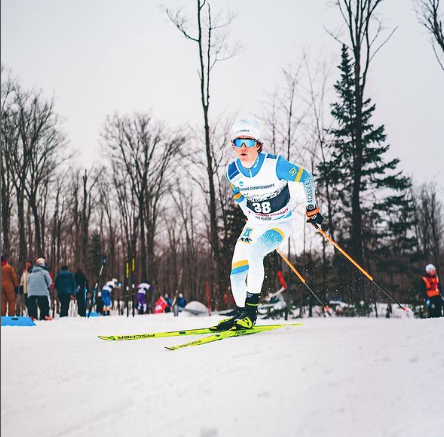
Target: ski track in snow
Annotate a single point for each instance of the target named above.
(331, 377)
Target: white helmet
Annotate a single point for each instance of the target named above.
(430, 267)
(113, 283)
(248, 128)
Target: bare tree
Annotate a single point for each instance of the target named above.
(211, 38)
(431, 16)
(9, 139)
(292, 114)
(430, 225)
(42, 141)
(141, 150)
(87, 205)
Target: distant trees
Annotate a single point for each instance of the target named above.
(171, 207)
(431, 17)
(140, 152)
(33, 146)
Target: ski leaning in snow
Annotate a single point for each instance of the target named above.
(198, 331)
(227, 334)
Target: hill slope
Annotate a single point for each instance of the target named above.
(330, 377)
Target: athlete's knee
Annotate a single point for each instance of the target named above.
(270, 240)
(239, 267)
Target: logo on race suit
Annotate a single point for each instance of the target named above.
(292, 171)
(241, 183)
(245, 237)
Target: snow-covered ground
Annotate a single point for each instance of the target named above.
(331, 377)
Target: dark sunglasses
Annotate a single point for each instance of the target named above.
(249, 142)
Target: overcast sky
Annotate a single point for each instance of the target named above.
(101, 56)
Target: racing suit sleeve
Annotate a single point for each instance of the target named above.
(293, 173)
(239, 198)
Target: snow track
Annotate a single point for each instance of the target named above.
(331, 377)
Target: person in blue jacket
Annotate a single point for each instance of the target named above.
(259, 183)
(66, 286)
(39, 282)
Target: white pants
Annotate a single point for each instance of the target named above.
(254, 243)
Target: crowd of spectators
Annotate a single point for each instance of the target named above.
(32, 294)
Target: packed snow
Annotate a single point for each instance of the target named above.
(342, 377)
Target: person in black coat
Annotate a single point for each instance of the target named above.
(66, 286)
(82, 290)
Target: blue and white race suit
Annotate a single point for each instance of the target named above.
(263, 194)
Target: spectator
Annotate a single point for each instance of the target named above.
(9, 285)
(142, 290)
(431, 291)
(82, 290)
(106, 295)
(169, 303)
(39, 282)
(181, 301)
(65, 285)
(24, 282)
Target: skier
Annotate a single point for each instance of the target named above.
(430, 288)
(259, 182)
(106, 295)
(142, 290)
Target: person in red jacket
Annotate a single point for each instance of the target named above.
(431, 290)
(9, 287)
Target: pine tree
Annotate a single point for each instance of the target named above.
(382, 188)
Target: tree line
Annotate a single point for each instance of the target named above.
(160, 193)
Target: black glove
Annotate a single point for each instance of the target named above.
(313, 215)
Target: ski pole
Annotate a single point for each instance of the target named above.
(133, 269)
(364, 272)
(96, 287)
(302, 279)
(127, 286)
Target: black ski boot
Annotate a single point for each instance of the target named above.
(247, 319)
(226, 324)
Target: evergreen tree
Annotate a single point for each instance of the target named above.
(382, 188)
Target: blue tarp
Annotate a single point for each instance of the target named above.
(17, 321)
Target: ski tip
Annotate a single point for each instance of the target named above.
(170, 348)
(103, 337)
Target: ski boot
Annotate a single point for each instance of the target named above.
(247, 319)
(226, 324)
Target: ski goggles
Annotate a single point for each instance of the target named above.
(248, 142)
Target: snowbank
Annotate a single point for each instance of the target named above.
(331, 377)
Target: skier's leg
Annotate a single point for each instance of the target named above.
(238, 276)
(239, 273)
(268, 241)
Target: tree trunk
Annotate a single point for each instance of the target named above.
(21, 226)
